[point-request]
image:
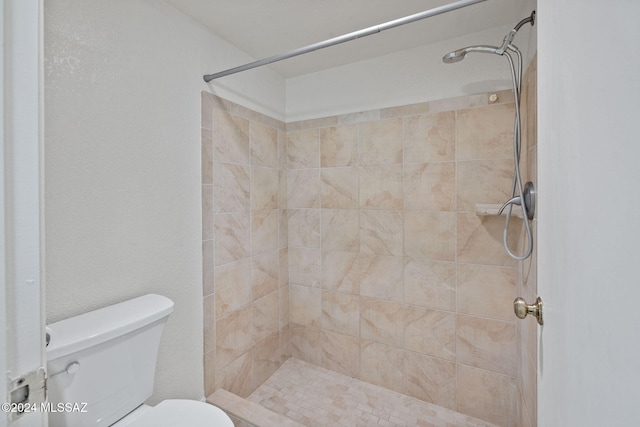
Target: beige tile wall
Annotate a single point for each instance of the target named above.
(526, 283)
(352, 242)
(245, 271)
(393, 277)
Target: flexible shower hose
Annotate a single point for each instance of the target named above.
(517, 179)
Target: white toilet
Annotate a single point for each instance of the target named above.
(107, 359)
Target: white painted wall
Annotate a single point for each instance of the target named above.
(589, 148)
(123, 205)
(405, 77)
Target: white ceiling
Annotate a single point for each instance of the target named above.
(263, 28)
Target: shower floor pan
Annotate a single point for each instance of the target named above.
(313, 396)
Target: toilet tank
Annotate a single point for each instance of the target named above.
(104, 361)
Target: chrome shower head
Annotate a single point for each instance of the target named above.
(455, 56)
(458, 55)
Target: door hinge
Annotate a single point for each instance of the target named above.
(26, 393)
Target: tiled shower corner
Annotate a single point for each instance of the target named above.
(245, 271)
(352, 243)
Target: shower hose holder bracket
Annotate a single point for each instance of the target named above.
(528, 197)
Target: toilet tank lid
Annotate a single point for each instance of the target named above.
(80, 332)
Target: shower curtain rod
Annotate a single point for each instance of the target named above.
(345, 38)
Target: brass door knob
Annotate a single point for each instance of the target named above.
(521, 308)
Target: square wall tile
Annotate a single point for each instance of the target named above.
(381, 187)
(430, 283)
(381, 277)
(230, 138)
(339, 146)
(305, 305)
(341, 313)
(479, 240)
(429, 138)
(304, 266)
(264, 230)
(381, 321)
(264, 273)
(431, 332)
(233, 336)
(231, 187)
(487, 344)
(430, 235)
(232, 236)
(266, 316)
(340, 230)
(430, 379)
(430, 186)
(266, 359)
(264, 188)
(487, 395)
(484, 181)
(303, 188)
(381, 142)
(485, 133)
(486, 291)
(306, 344)
(237, 376)
(339, 188)
(264, 145)
(341, 353)
(381, 232)
(304, 227)
(341, 272)
(233, 286)
(303, 149)
(382, 365)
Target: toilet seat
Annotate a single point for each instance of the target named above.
(179, 413)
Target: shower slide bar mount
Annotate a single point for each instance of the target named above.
(345, 38)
